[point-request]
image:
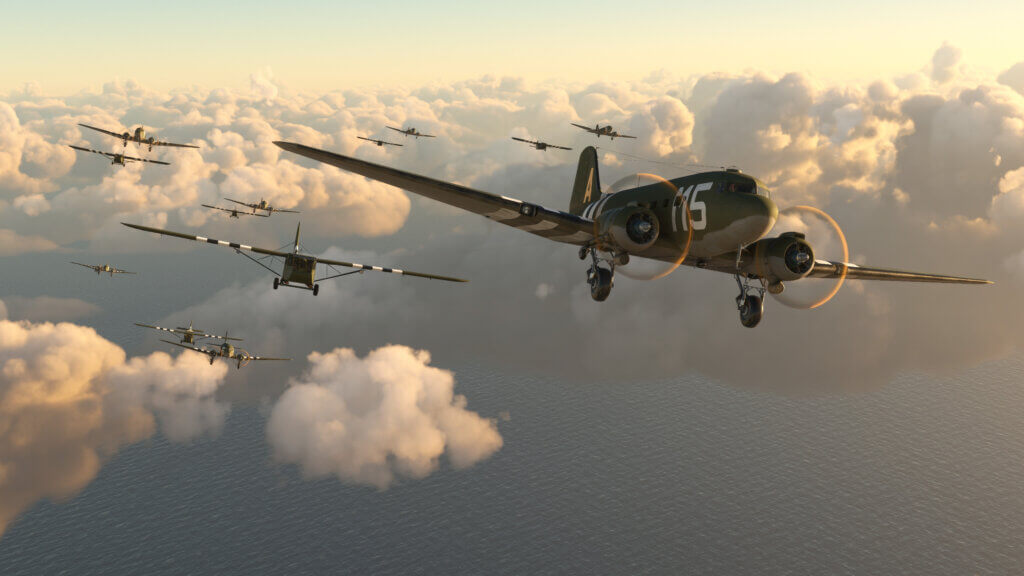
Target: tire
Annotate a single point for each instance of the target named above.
(277, 282)
(751, 312)
(601, 285)
(316, 289)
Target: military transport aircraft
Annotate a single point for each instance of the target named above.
(99, 269)
(188, 335)
(299, 269)
(262, 205)
(599, 131)
(410, 131)
(119, 159)
(540, 145)
(714, 220)
(139, 137)
(234, 212)
(225, 350)
(380, 142)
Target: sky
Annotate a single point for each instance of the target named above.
(905, 123)
(69, 46)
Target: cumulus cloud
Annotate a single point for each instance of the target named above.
(69, 399)
(1014, 77)
(945, 63)
(377, 419)
(48, 308)
(12, 243)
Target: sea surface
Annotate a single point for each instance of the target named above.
(683, 476)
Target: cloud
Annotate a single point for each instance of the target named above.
(945, 63)
(12, 243)
(376, 419)
(1014, 77)
(69, 400)
(48, 308)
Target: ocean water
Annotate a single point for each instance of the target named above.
(685, 476)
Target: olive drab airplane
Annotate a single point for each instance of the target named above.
(225, 350)
(235, 213)
(119, 159)
(188, 335)
(139, 137)
(380, 143)
(261, 205)
(299, 269)
(714, 220)
(540, 145)
(410, 131)
(599, 131)
(101, 268)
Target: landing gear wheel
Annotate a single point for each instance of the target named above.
(751, 311)
(600, 283)
(316, 289)
(277, 282)
(584, 251)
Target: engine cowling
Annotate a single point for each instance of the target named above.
(788, 257)
(631, 228)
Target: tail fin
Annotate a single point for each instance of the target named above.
(297, 230)
(587, 187)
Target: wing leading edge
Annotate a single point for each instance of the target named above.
(830, 269)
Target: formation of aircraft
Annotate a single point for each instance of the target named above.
(410, 131)
(118, 159)
(540, 145)
(189, 334)
(299, 269)
(101, 268)
(139, 137)
(225, 350)
(261, 205)
(235, 213)
(379, 142)
(599, 131)
(715, 220)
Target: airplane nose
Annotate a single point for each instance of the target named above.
(764, 210)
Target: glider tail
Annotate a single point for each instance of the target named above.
(587, 188)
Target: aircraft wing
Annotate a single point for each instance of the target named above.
(119, 271)
(397, 130)
(246, 204)
(234, 245)
(265, 358)
(283, 210)
(388, 270)
(622, 136)
(193, 332)
(158, 143)
(587, 128)
(194, 348)
(830, 269)
(234, 211)
(134, 159)
(114, 134)
(551, 224)
(524, 140)
(559, 147)
(108, 154)
(87, 266)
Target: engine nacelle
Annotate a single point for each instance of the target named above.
(631, 228)
(788, 257)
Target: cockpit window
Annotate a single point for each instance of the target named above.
(742, 186)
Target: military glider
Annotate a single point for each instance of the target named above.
(410, 131)
(188, 335)
(380, 142)
(261, 205)
(225, 350)
(119, 159)
(139, 137)
(235, 213)
(299, 269)
(599, 131)
(540, 145)
(713, 220)
(99, 269)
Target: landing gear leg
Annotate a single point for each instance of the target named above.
(751, 306)
(599, 278)
(316, 289)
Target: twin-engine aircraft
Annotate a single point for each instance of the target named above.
(713, 220)
(139, 137)
(119, 159)
(299, 269)
(188, 335)
(101, 268)
(225, 350)
(540, 145)
(410, 131)
(380, 143)
(599, 131)
(261, 205)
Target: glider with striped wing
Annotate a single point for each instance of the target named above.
(118, 159)
(715, 220)
(261, 205)
(540, 145)
(101, 268)
(299, 269)
(188, 335)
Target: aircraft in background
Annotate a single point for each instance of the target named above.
(599, 131)
(714, 220)
(225, 350)
(299, 269)
(540, 145)
(119, 159)
(188, 335)
(234, 212)
(261, 205)
(410, 131)
(379, 142)
(99, 269)
(139, 137)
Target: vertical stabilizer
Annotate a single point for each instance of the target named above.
(587, 187)
(297, 230)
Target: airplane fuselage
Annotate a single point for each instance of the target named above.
(299, 269)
